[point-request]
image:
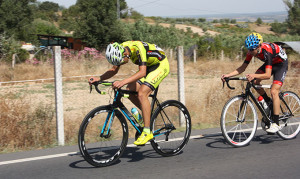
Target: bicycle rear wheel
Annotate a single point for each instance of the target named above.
(290, 123)
(171, 134)
(238, 121)
(99, 146)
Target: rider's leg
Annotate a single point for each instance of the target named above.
(276, 108)
(261, 91)
(143, 94)
(276, 102)
(134, 86)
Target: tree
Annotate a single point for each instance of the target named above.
(97, 22)
(233, 21)
(49, 6)
(46, 10)
(259, 21)
(293, 16)
(15, 15)
(201, 20)
(279, 27)
(135, 15)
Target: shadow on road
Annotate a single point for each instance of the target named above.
(218, 141)
(266, 139)
(134, 154)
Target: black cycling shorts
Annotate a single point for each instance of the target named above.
(279, 71)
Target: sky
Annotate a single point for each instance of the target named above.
(195, 7)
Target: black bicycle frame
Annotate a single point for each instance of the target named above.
(261, 109)
(246, 97)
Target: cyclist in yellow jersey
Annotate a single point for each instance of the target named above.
(153, 68)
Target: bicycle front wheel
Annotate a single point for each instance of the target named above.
(171, 127)
(103, 136)
(238, 121)
(289, 119)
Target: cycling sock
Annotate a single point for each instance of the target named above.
(147, 130)
(276, 119)
(266, 97)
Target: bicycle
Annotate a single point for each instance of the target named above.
(239, 117)
(103, 134)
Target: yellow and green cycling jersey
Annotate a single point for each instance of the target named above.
(142, 53)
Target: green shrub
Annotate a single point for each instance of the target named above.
(23, 55)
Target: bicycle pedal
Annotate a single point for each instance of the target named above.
(269, 133)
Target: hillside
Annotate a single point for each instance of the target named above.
(184, 27)
(267, 17)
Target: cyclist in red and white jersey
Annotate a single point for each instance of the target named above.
(275, 63)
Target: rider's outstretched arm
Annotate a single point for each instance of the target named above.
(238, 71)
(110, 73)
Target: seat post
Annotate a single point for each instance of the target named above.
(153, 99)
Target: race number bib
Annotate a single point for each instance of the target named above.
(282, 54)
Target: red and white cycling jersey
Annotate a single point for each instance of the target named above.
(275, 59)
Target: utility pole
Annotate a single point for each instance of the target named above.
(118, 9)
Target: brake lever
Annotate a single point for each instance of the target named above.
(91, 88)
(227, 83)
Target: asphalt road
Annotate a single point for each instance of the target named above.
(267, 156)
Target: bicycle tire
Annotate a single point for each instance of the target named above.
(238, 131)
(290, 126)
(106, 150)
(171, 136)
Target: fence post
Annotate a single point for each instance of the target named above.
(59, 96)
(195, 55)
(180, 71)
(13, 62)
(171, 54)
(222, 55)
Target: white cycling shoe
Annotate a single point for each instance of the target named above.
(273, 128)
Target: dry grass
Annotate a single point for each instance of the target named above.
(23, 127)
(27, 109)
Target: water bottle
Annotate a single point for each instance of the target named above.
(137, 116)
(263, 104)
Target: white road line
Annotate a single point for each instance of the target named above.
(66, 154)
(37, 158)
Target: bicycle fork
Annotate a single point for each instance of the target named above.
(242, 106)
(105, 131)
